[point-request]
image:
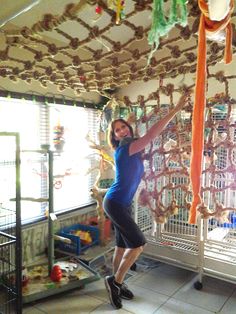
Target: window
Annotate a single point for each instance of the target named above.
(71, 179)
(41, 124)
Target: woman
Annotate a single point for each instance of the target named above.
(130, 240)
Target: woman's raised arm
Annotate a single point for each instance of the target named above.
(157, 128)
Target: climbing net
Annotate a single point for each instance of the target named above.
(166, 188)
(166, 182)
(219, 171)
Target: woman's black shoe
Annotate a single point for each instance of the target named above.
(125, 293)
(113, 292)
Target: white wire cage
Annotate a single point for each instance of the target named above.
(209, 246)
(220, 195)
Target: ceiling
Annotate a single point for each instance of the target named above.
(63, 48)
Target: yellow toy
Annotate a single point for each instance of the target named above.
(85, 236)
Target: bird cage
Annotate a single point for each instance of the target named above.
(10, 225)
(209, 246)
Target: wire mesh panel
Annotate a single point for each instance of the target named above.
(175, 235)
(219, 192)
(8, 293)
(10, 225)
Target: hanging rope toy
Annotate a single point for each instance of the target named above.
(58, 139)
(120, 11)
(160, 25)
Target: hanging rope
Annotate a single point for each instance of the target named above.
(199, 100)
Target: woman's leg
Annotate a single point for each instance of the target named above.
(128, 235)
(117, 257)
(129, 257)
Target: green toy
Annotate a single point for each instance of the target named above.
(162, 25)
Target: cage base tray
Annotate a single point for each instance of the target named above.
(41, 286)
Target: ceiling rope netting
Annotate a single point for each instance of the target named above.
(111, 66)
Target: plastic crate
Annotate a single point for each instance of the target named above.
(77, 247)
(93, 221)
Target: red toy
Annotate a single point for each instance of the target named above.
(56, 273)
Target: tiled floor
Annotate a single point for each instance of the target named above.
(164, 289)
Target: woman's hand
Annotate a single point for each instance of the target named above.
(182, 101)
(157, 127)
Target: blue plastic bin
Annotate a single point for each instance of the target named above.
(232, 223)
(76, 247)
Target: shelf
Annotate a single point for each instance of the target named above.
(32, 199)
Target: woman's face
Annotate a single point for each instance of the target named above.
(121, 130)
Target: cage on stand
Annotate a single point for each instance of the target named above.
(10, 225)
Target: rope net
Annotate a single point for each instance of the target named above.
(165, 189)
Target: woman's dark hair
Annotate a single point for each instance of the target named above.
(111, 136)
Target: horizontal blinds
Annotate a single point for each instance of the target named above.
(36, 124)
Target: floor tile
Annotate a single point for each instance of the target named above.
(69, 304)
(212, 296)
(173, 306)
(96, 289)
(230, 305)
(106, 308)
(145, 300)
(32, 310)
(165, 279)
(163, 289)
